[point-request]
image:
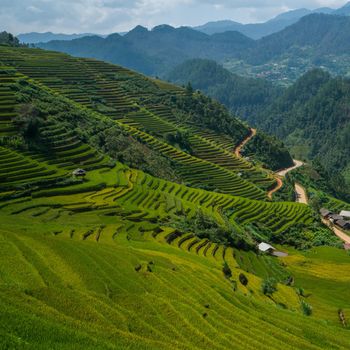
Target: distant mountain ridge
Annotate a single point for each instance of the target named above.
(155, 51)
(258, 30)
(252, 30)
(35, 38)
(316, 40)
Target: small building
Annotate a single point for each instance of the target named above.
(335, 217)
(79, 172)
(266, 248)
(343, 224)
(345, 214)
(325, 213)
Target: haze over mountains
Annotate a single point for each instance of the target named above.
(316, 40)
(252, 30)
(34, 37)
(259, 30)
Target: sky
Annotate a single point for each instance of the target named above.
(109, 16)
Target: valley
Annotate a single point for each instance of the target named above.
(132, 212)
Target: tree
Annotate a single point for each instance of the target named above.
(243, 279)
(269, 286)
(226, 270)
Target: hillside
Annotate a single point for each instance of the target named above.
(316, 34)
(312, 117)
(243, 96)
(153, 52)
(8, 39)
(259, 30)
(316, 40)
(154, 246)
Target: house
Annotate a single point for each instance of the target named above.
(345, 214)
(325, 213)
(335, 217)
(266, 248)
(79, 172)
(343, 224)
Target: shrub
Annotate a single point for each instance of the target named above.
(307, 308)
(269, 286)
(243, 279)
(226, 270)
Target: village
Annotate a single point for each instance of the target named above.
(342, 220)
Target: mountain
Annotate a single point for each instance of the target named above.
(312, 112)
(34, 37)
(314, 36)
(154, 52)
(316, 40)
(243, 96)
(127, 221)
(259, 30)
(343, 11)
(312, 116)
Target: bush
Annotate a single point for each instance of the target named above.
(226, 270)
(307, 308)
(243, 279)
(269, 286)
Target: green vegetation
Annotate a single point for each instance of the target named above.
(269, 286)
(8, 39)
(154, 250)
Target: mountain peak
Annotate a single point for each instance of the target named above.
(163, 28)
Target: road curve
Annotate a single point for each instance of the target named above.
(282, 173)
(297, 164)
(239, 148)
(276, 188)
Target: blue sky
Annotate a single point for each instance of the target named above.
(108, 16)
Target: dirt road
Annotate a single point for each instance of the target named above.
(244, 142)
(297, 164)
(276, 188)
(283, 173)
(342, 235)
(301, 196)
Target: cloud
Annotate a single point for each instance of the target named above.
(107, 16)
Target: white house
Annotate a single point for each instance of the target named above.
(345, 214)
(266, 248)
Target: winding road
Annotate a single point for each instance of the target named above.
(300, 191)
(301, 194)
(238, 149)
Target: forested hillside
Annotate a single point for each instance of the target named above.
(154, 52)
(316, 35)
(313, 118)
(8, 39)
(243, 96)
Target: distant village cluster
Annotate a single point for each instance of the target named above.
(342, 219)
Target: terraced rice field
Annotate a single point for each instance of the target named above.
(99, 86)
(97, 263)
(76, 282)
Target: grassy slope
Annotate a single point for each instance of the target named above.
(69, 293)
(93, 264)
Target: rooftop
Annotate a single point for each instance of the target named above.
(264, 247)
